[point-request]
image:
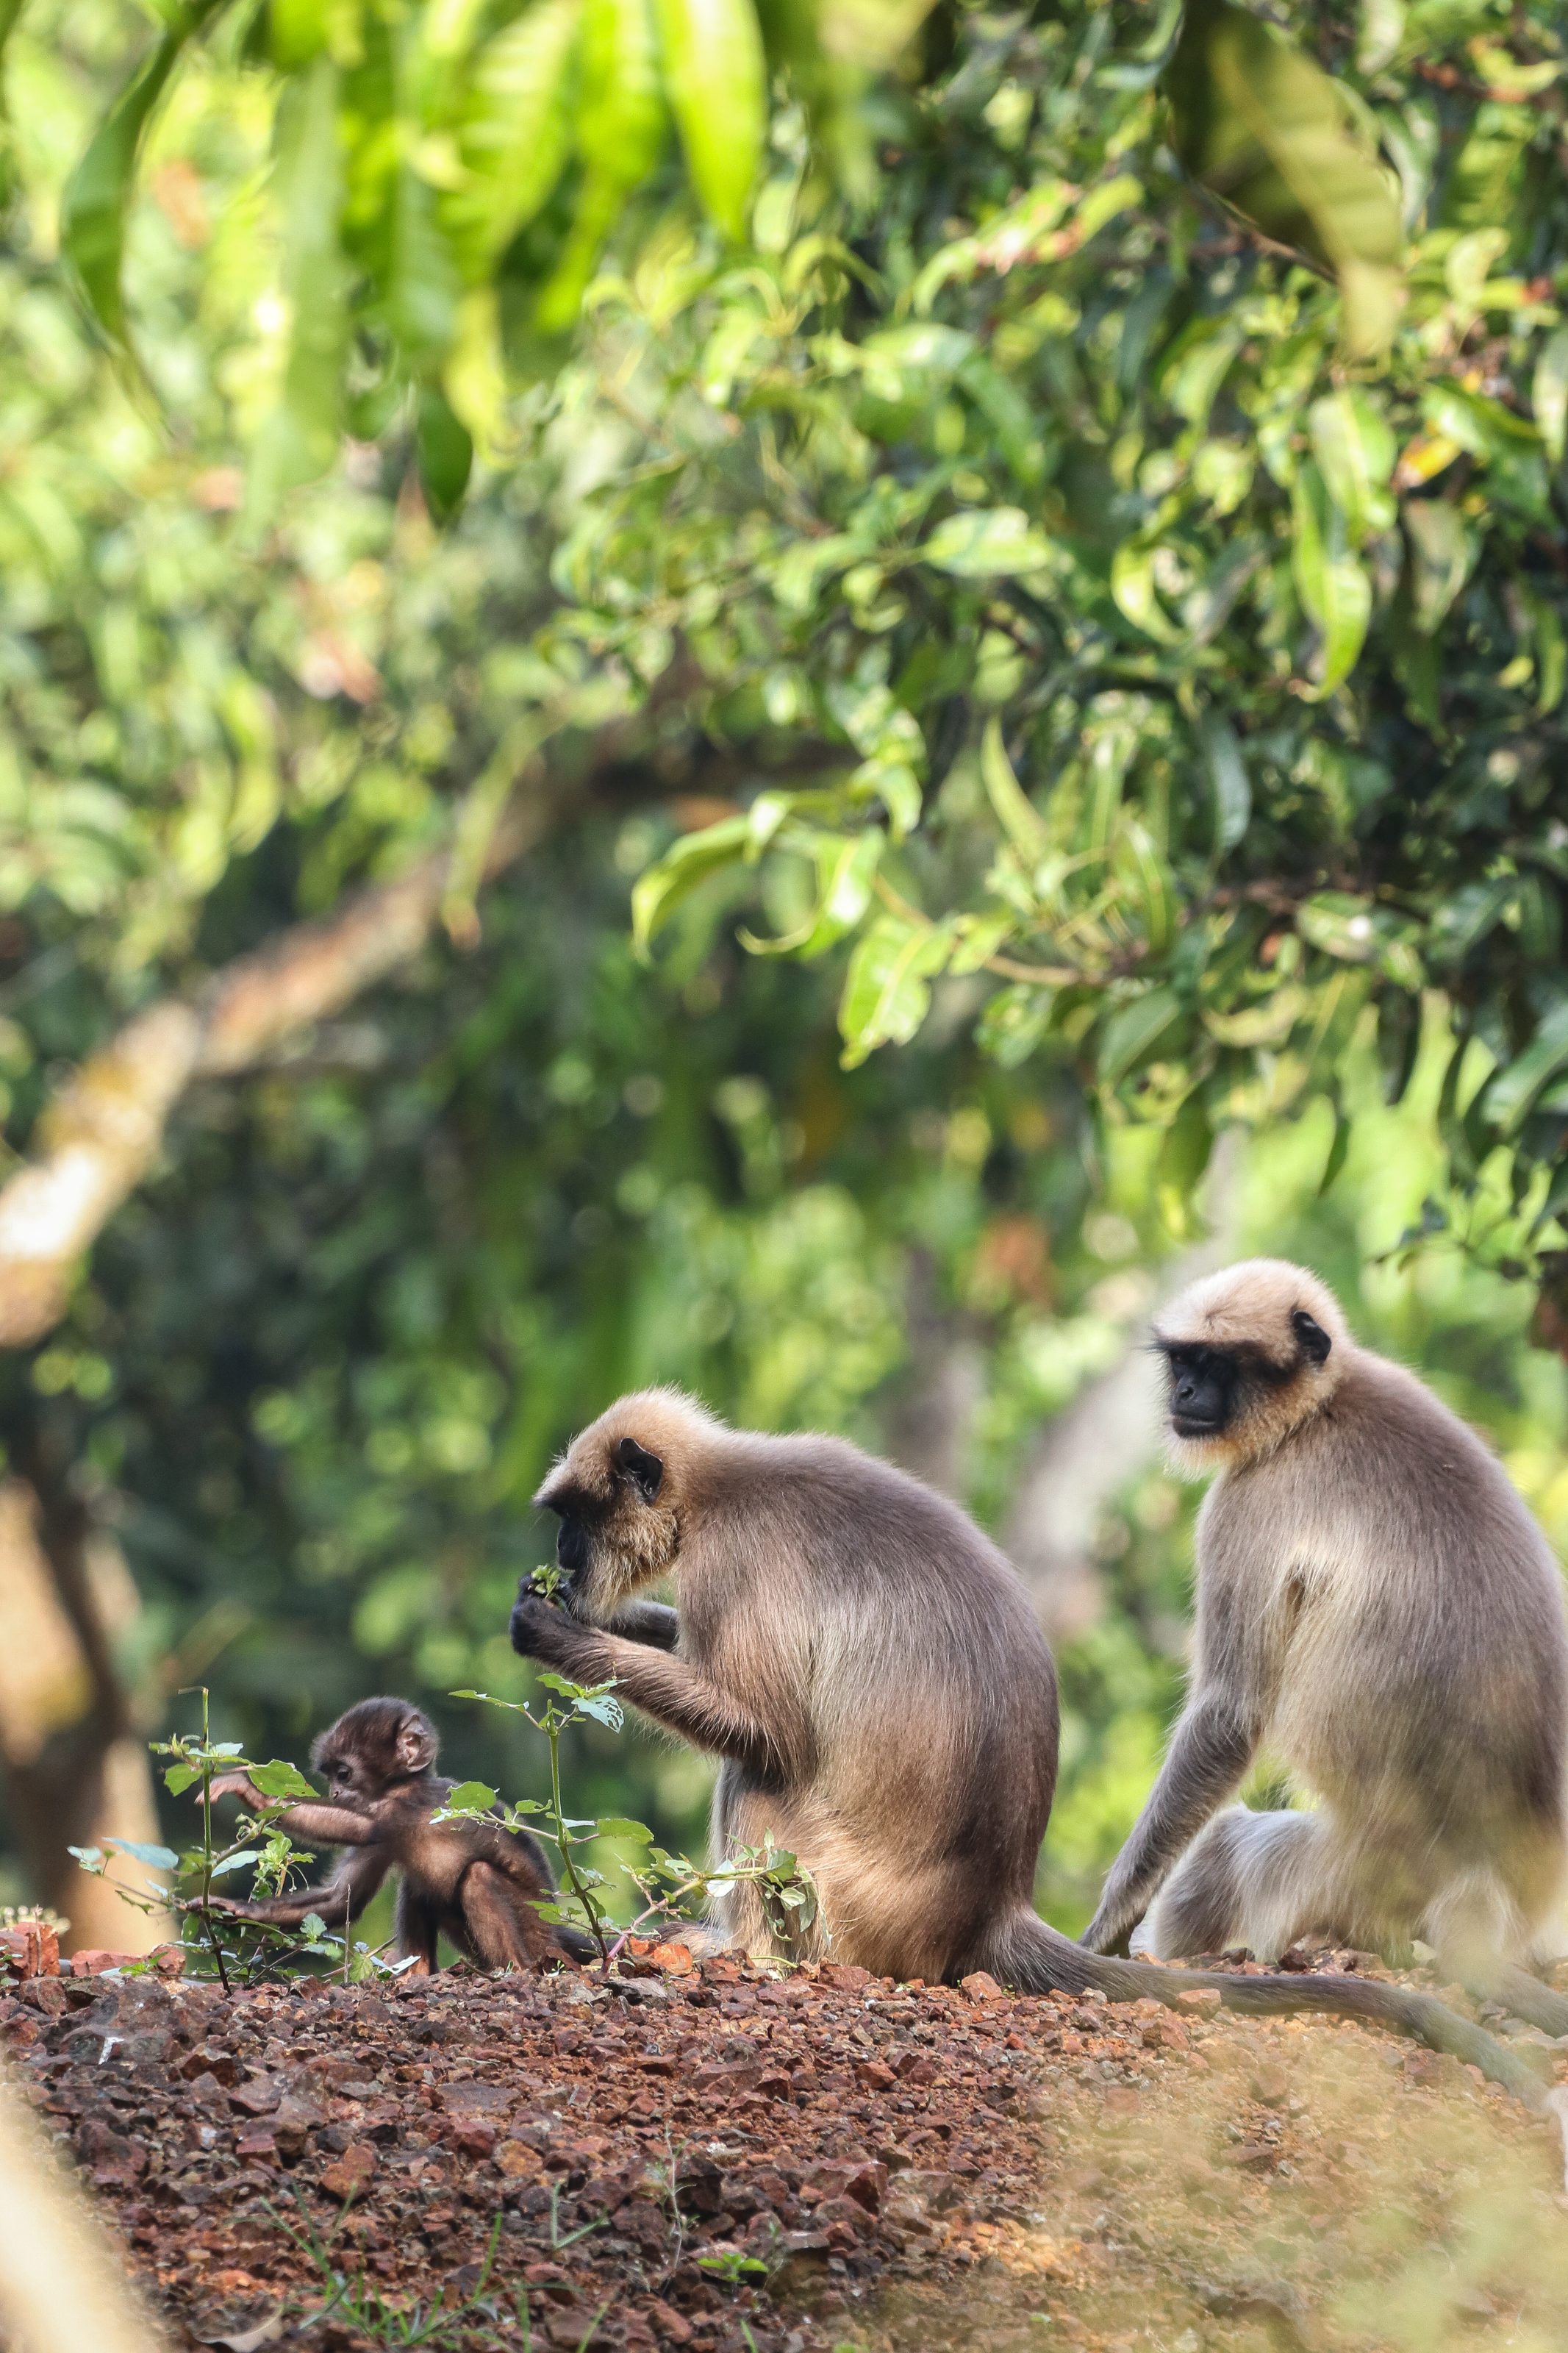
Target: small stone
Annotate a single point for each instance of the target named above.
(847, 1976)
(1200, 1998)
(874, 2076)
(668, 2323)
(980, 1986)
(92, 1963)
(30, 1948)
(675, 1960)
(518, 2162)
(352, 2173)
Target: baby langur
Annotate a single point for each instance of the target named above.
(868, 1668)
(1376, 1607)
(475, 1883)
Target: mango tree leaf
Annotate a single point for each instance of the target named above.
(1020, 820)
(687, 863)
(620, 124)
(97, 196)
(1549, 395)
(1132, 1033)
(300, 439)
(515, 131)
(1442, 551)
(620, 1826)
(887, 994)
(1509, 1094)
(986, 542)
(280, 1780)
(1228, 780)
(715, 75)
(1333, 587)
(1132, 586)
(1354, 447)
(1266, 131)
(445, 449)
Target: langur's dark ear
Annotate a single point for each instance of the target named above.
(644, 1469)
(418, 1746)
(1315, 1341)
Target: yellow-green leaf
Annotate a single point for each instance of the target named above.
(1332, 586)
(715, 76)
(515, 131)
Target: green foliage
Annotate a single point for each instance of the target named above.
(1235, 713)
(663, 1881)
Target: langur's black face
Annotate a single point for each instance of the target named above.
(612, 1533)
(1202, 1389)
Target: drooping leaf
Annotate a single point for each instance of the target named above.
(1549, 395)
(715, 75)
(1330, 580)
(687, 863)
(300, 439)
(446, 452)
(1262, 127)
(620, 125)
(97, 196)
(1022, 823)
(1354, 447)
(887, 990)
(1134, 1031)
(514, 133)
(1228, 780)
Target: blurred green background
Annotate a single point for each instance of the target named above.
(277, 1436)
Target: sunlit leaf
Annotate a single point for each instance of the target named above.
(1265, 128)
(887, 990)
(684, 866)
(96, 197)
(280, 1780)
(716, 77)
(986, 543)
(1020, 820)
(1549, 395)
(1330, 580)
(515, 131)
(300, 439)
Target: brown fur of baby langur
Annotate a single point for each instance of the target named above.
(1376, 1607)
(477, 1883)
(867, 1666)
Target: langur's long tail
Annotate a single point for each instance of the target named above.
(1022, 1951)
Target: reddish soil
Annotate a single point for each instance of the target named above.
(718, 2158)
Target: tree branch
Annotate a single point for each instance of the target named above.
(105, 1131)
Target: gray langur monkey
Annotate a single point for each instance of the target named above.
(865, 1664)
(1375, 1607)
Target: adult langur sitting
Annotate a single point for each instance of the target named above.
(1377, 1608)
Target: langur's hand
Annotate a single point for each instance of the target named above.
(541, 1631)
(233, 1785)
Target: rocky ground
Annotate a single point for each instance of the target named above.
(713, 2157)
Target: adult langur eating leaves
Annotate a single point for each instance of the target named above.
(865, 1663)
(1376, 1607)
